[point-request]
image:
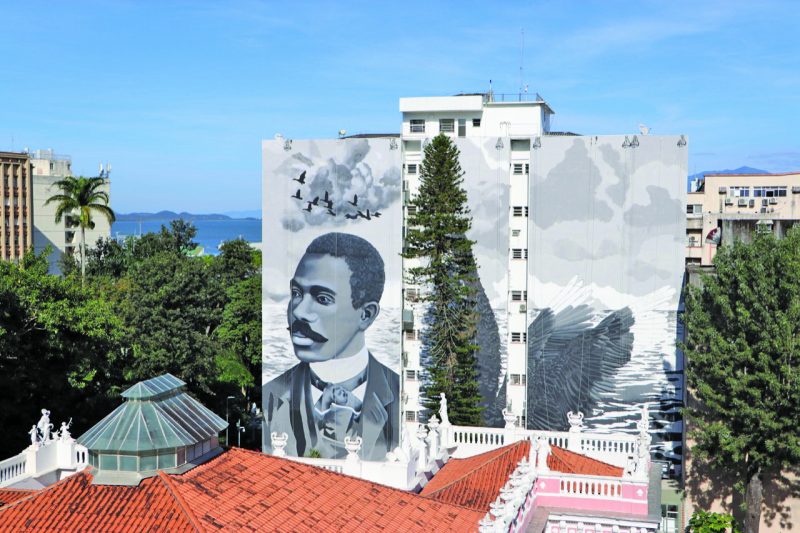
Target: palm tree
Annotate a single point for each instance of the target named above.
(82, 194)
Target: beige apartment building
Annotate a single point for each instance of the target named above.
(63, 237)
(728, 207)
(16, 217)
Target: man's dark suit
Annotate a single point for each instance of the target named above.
(287, 408)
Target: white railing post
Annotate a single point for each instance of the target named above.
(433, 437)
(422, 458)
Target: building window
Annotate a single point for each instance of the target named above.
(669, 518)
(411, 416)
(694, 209)
(515, 232)
(412, 295)
(520, 211)
(417, 125)
(519, 296)
(769, 191)
(737, 192)
(462, 127)
(412, 210)
(517, 336)
(476, 123)
(520, 145)
(518, 379)
(521, 421)
(519, 253)
(411, 168)
(412, 375)
(521, 168)
(446, 125)
(411, 335)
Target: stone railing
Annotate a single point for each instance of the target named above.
(615, 448)
(13, 469)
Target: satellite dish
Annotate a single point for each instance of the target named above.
(644, 129)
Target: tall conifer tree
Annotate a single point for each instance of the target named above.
(437, 235)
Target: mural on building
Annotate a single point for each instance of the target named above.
(485, 166)
(332, 295)
(606, 240)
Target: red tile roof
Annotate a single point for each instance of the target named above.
(234, 491)
(11, 495)
(562, 460)
(476, 481)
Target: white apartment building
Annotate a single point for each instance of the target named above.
(63, 237)
(509, 122)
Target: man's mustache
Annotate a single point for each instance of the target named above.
(298, 326)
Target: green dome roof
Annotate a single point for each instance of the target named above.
(158, 414)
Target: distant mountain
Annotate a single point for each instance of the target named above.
(171, 215)
(740, 170)
(252, 213)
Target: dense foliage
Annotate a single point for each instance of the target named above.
(437, 235)
(743, 349)
(146, 308)
(704, 522)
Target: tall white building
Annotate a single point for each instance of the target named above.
(64, 237)
(509, 124)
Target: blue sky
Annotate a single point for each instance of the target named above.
(178, 95)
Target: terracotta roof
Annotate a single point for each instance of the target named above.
(241, 489)
(11, 495)
(476, 481)
(75, 504)
(562, 460)
(234, 491)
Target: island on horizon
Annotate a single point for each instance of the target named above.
(171, 215)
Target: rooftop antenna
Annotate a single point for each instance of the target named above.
(521, 63)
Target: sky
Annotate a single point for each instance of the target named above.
(177, 96)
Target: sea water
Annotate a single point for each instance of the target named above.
(210, 233)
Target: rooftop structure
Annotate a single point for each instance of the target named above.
(160, 427)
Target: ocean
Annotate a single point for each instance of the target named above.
(210, 233)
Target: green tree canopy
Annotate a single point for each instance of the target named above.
(437, 235)
(743, 350)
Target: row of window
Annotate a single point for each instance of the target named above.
(759, 191)
(519, 253)
(519, 336)
(518, 168)
(446, 125)
(519, 211)
(519, 296)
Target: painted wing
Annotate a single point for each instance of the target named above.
(570, 362)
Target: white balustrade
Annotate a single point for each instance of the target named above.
(13, 469)
(591, 487)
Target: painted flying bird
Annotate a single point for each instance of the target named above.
(354, 203)
(362, 215)
(331, 213)
(571, 363)
(351, 217)
(301, 179)
(326, 199)
(376, 214)
(297, 195)
(310, 205)
(315, 201)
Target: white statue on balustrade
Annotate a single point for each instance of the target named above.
(543, 450)
(443, 410)
(44, 426)
(63, 433)
(34, 433)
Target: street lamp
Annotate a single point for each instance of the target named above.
(227, 442)
(239, 430)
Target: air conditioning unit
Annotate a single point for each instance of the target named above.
(764, 201)
(752, 203)
(742, 202)
(773, 201)
(763, 209)
(795, 190)
(523, 308)
(728, 201)
(723, 190)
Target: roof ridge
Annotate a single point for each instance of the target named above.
(175, 492)
(331, 472)
(508, 450)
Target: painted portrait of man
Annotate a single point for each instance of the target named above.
(338, 388)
